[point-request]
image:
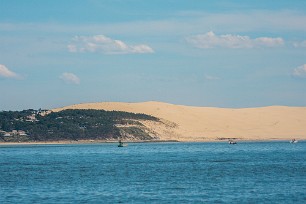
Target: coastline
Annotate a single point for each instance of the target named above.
(69, 142)
(190, 123)
(63, 142)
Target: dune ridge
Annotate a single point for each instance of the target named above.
(188, 123)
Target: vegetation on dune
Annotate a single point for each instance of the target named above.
(71, 125)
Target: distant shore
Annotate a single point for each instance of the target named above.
(82, 142)
(63, 142)
(188, 123)
(184, 124)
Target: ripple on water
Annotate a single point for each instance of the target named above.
(272, 172)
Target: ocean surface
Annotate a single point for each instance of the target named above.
(248, 172)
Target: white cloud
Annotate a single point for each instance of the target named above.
(105, 45)
(300, 71)
(70, 78)
(72, 48)
(6, 73)
(268, 42)
(211, 40)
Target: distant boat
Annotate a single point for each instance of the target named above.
(293, 141)
(121, 144)
(232, 142)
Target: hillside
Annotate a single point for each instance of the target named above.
(73, 125)
(186, 123)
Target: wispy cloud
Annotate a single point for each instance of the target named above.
(300, 44)
(106, 45)
(209, 77)
(7, 73)
(300, 71)
(211, 40)
(188, 22)
(70, 78)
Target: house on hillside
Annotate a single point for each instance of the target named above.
(31, 118)
(44, 112)
(21, 133)
(7, 134)
(14, 133)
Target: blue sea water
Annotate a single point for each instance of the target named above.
(249, 172)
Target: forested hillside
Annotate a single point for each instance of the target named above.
(32, 125)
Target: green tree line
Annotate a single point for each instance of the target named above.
(69, 124)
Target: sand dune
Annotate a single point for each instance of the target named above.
(186, 123)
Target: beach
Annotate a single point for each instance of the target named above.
(192, 124)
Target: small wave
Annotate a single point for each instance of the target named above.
(223, 161)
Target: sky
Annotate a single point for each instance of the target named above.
(232, 54)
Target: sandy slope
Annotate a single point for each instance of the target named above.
(186, 123)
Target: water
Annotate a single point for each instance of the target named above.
(268, 172)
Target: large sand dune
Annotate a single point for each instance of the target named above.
(186, 123)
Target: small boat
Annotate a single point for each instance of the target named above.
(293, 141)
(232, 142)
(121, 144)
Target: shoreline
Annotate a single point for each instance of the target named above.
(69, 142)
(63, 142)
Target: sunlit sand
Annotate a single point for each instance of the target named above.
(187, 123)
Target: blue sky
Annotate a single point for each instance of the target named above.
(201, 53)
